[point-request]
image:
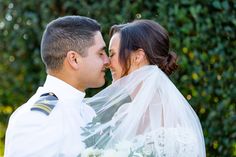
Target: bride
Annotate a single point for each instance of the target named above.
(142, 113)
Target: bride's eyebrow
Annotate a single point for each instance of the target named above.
(111, 51)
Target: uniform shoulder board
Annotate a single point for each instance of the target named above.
(46, 103)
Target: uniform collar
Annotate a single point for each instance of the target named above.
(63, 90)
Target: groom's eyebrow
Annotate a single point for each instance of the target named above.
(102, 49)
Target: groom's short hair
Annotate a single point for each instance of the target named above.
(69, 33)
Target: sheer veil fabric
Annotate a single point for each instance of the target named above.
(146, 108)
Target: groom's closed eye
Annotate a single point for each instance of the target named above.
(102, 53)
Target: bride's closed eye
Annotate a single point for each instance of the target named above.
(111, 54)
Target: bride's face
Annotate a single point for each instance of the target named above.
(137, 58)
(114, 49)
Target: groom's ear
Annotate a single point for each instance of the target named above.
(73, 59)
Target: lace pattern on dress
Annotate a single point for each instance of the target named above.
(168, 142)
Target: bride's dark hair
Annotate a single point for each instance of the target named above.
(149, 36)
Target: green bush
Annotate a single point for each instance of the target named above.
(202, 34)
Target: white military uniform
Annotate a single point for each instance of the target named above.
(49, 131)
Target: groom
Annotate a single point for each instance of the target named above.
(49, 123)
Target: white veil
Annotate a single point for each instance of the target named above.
(146, 109)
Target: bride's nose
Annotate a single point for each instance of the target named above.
(107, 62)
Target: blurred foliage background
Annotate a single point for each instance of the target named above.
(202, 34)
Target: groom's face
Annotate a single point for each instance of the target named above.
(94, 64)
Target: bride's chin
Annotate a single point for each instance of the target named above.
(113, 78)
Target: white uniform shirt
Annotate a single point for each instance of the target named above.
(32, 133)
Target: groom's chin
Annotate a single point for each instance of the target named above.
(98, 83)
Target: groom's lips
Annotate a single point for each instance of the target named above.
(104, 70)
